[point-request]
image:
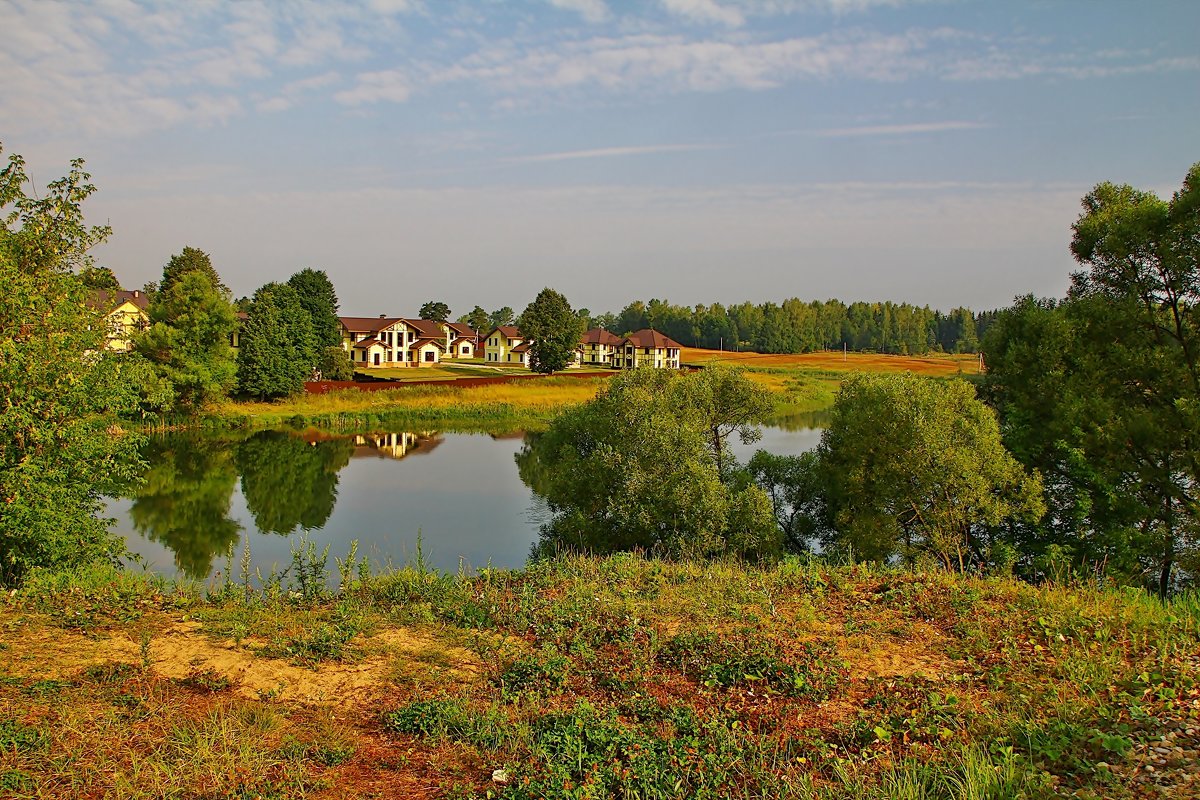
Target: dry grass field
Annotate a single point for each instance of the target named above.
(835, 361)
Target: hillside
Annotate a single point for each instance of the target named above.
(598, 677)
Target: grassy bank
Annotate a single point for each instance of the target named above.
(598, 677)
(525, 405)
(801, 384)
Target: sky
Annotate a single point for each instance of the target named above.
(696, 151)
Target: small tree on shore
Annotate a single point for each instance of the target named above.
(553, 331)
(278, 350)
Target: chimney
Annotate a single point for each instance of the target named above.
(383, 316)
(136, 293)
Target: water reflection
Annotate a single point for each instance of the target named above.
(183, 501)
(290, 483)
(202, 496)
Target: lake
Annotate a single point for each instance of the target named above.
(459, 492)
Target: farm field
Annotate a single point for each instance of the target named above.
(591, 677)
(834, 361)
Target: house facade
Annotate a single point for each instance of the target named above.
(599, 346)
(500, 343)
(126, 313)
(647, 347)
(385, 341)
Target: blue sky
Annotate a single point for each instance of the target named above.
(689, 150)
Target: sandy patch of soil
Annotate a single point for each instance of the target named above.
(180, 649)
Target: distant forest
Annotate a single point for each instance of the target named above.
(796, 326)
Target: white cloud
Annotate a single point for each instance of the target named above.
(706, 11)
(590, 10)
(373, 87)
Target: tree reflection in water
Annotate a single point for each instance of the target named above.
(184, 499)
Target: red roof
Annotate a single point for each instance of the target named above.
(368, 324)
(648, 337)
(367, 344)
(427, 328)
(601, 336)
(508, 331)
(521, 348)
(424, 340)
(462, 329)
(110, 300)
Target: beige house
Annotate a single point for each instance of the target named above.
(385, 341)
(499, 344)
(599, 347)
(647, 347)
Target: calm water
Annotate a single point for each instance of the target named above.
(460, 492)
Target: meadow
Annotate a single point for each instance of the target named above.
(590, 677)
(802, 383)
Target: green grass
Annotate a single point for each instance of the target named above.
(615, 677)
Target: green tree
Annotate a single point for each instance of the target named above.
(478, 320)
(334, 364)
(60, 447)
(278, 351)
(916, 466)
(727, 403)
(553, 331)
(191, 322)
(101, 278)
(797, 492)
(498, 318)
(633, 469)
(189, 260)
(318, 297)
(434, 310)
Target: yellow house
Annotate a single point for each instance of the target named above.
(499, 343)
(599, 347)
(126, 315)
(461, 340)
(381, 341)
(647, 347)
(385, 341)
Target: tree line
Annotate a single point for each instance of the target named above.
(1084, 461)
(798, 326)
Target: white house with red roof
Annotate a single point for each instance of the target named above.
(385, 341)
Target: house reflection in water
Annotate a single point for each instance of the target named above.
(394, 445)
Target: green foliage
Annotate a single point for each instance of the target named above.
(334, 364)
(797, 326)
(914, 465)
(278, 350)
(478, 319)
(99, 278)
(59, 388)
(191, 322)
(1102, 392)
(319, 299)
(552, 330)
(637, 467)
(499, 317)
(796, 488)
(435, 310)
(187, 261)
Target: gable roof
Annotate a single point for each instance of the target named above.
(648, 337)
(367, 344)
(601, 336)
(507, 331)
(427, 328)
(523, 347)
(108, 301)
(424, 340)
(462, 329)
(368, 324)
